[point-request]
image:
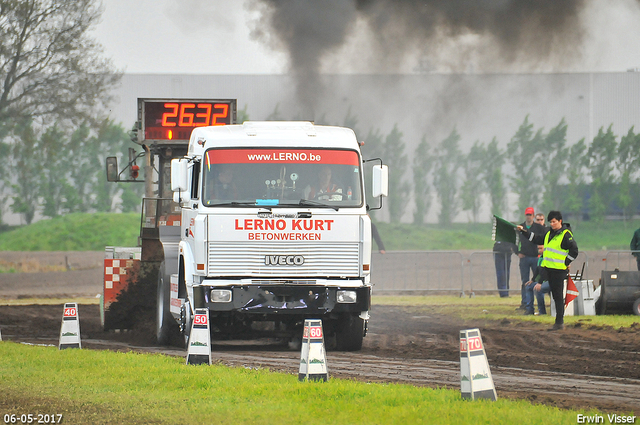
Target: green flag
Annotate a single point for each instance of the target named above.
(504, 230)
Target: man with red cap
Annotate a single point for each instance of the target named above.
(528, 253)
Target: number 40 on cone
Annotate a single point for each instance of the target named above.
(70, 328)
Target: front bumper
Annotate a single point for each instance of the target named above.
(288, 299)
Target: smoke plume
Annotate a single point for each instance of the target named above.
(427, 36)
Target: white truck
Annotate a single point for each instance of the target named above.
(274, 229)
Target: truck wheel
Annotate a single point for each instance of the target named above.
(636, 307)
(185, 327)
(350, 333)
(166, 328)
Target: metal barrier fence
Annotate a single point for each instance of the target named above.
(423, 271)
(621, 260)
(402, 271)
(482, 271)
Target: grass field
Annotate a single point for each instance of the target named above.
(74, 232)
(492, 307)
(92, 232)
(88, 386)
(107, 387)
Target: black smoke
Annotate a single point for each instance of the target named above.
(526, 32)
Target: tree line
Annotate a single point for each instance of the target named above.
(55, 170)
(585, 179)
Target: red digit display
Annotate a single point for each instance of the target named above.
(220, 115)
(186, 118)
(172, 113)
(165, 120)
(206, 114)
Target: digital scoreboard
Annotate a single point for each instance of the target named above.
(171, 120)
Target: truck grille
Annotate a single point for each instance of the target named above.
(242, 259)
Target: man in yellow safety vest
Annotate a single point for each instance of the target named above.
(560, 249)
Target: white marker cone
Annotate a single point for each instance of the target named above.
(199, 351)
(313, 360)
(475, 374)
(70, 328)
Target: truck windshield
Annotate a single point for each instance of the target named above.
(281, 177)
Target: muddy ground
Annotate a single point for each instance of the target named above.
(580, 367)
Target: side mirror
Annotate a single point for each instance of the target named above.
(112, 169)
(179, 175)
(380, 183)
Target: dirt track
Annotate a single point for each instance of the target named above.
(578, 367)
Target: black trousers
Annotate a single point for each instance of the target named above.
(556, 284)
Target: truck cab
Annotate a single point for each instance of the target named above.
(274, 230)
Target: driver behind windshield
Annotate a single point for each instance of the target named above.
(223, 186)
(325, 189)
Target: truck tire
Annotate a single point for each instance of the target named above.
(166, 328)
(184, 331)
(350, 333)
(636, 307)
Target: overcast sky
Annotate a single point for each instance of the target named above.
(185, 37)
(215, 37)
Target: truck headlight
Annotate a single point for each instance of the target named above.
(221, 295)
(346, 297)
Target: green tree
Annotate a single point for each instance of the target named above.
(112, 138)
(373, 144)
(576, 171)
(399, 187)
(602, 156)
(81, 171)
(422, 165)
(473, 186)
(445, 176)
(49, 65)
(553, 164)
(373, 148)
(494, 159)
(523, 151)
(25, 168)
(54, 166)
(628, 162)
(50, 70)
(5, 151)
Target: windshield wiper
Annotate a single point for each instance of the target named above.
(237, 204)
(312, 203)
(303, 202)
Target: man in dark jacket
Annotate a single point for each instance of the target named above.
(528, 253)
(635, 246)
(560, 249)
